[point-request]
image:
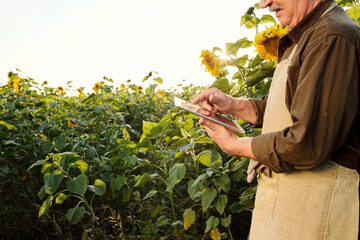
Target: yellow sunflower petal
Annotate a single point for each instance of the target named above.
(215, 234)
(266, 42)
(211, 62)
(97, 87)
(60, 90)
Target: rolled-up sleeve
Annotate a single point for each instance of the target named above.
(259, 106)
(323, 109)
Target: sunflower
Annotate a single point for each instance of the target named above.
(71, 123)
(215, 234)
(266, 42)
(128, 81)
(161, 92)
(60, 90)
(14, 84)
(44, 83)
(122, 86)
(97, 87)
(140, 88)
(81, 93)
(16, 87)
(211, 61)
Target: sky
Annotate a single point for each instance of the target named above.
(84, 40)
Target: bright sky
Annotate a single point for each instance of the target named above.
(84, 40)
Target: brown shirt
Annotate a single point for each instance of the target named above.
(322, 95)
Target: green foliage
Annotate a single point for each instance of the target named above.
(123, 163)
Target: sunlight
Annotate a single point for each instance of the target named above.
(221, 54)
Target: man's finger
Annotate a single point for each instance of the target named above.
(196, 100)
(204, 112)
(204, 96)
(206, 105)
(215, 99)
(207, 123)
(252, 165)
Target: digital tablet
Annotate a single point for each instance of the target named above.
(184, 105)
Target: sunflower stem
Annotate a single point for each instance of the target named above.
(238, 67)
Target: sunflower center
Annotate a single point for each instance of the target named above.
(210, 62)
(271, 45)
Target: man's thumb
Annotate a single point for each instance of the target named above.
(215, 99)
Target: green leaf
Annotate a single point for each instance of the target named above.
(248, 194)
(223, 181)
(176, 174)
(151, 128)
(267, 19)
(232, 48)
(244, 43)
(146, 78)
(117, 183)
(45, 206)
(200, 178)
(41, 194)
(242, 60)
(195, 187)
(82, 165)
(184, 133)
(60, 142)
(132, 160)
(150, 194)
(222, 84)
(189, 218)
(238, 207)
(57, 158)
(53, 104)
(256, 131)
(255, 61)
(226, 221)
(189, 124)
(249, 21)
(69, 154)
(157, 210)
(9, 126)
(78, 185)
(43, 125)
(98, 188)
(211, 223)
(210, 158)
(163, 220)
(142, 180)
(220, 203)
(74, 215)
(254, 77)
(61, 198)
(158, 80)
(354, 13)
(204, 140)
(37, 163)
(52, 181)
(207, 196)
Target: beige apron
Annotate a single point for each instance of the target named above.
(320, 203)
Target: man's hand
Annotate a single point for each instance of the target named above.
(213, 100)
(226, 139)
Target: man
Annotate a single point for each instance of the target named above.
(310, 127)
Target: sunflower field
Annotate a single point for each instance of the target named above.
(122, 162)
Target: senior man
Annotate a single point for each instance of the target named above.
(310, 127)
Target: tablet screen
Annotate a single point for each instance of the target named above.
(184, 105)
